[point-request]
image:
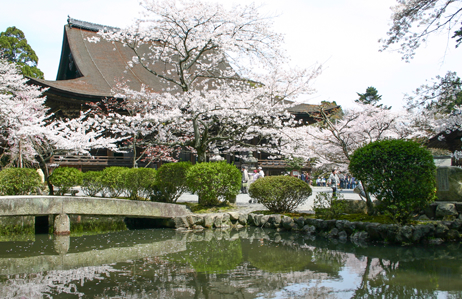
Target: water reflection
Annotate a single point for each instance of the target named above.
(250, 263)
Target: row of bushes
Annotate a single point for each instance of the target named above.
(212, 182)
(400, 174)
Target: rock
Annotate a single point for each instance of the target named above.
(441, 230)
(446, 209)
(181, 222)
(287, 222)
(275, 221)
(234, 216)
(242, 219)
(423, 231)
(449, 183)
(300, 221)
(263, 220)
(405, 234)
(218, 221)
(423, 218)
(226, 220)
(208, 221)
(257, 220)
(309, 229)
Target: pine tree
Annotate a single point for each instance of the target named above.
(14, 48)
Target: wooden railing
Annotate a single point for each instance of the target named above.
(91, 160)
(276, 164)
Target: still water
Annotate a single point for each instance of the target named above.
(247, 263)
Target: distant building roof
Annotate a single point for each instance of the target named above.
(88, 71)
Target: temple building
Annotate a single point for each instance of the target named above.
(88, 71)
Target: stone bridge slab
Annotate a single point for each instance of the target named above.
(53, 205)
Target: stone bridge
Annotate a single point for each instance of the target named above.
(62, 206)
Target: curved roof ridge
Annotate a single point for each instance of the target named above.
(89, 26)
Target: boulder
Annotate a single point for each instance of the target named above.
(446, 209)
(287, 222)
(208, 221)
(242, 219)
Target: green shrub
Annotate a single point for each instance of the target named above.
(400, 174)
(65, 178)
(171, 182)
(280, 194)
(214, 182)
(19, 181)
(113, 181)
(327, 206)
(138, 182)
(91, 183)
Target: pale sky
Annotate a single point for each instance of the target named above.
(341, 35)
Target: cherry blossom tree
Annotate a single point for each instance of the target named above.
(332, 142)
(442, 94)
(30, 135)
(223, 71)
(131, 116)
(413, 21)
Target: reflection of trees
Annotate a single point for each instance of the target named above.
(261, 263)
(407, 279)
(47, 284)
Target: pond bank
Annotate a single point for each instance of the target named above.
(428, 232)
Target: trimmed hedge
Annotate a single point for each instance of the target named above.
(280, 194)
(171, 182)
(214, 182)
(399, 173)
(138, 182)
(19, 181)
(113, 181)
(91, 183)
(65, 178)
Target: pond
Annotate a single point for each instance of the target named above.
(246, 263)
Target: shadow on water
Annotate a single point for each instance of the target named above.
(247, 263)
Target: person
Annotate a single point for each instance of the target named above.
(323, 182)
(302, 177)
(335, 182)
(255, 176)
(262, 174)
(245, 181)
(353, 182)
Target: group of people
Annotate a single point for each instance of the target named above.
(249, 178)
(344, 181)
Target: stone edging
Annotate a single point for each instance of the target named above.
(431, 232)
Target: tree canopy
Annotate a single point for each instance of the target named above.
(413, 21)
(443, 94)
(224, 75)
(14, 48)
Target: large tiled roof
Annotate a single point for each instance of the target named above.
(99, 64)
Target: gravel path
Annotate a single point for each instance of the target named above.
(242, 200)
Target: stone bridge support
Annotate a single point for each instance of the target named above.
(62, 225)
